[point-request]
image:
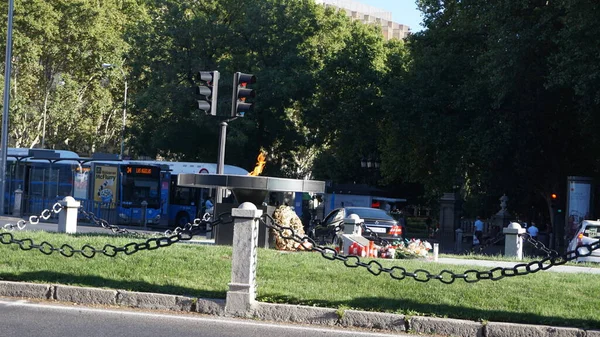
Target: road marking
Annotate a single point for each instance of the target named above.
(23, 303)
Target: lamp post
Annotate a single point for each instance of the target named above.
(7, 69)
(107, 66)
(370, 164)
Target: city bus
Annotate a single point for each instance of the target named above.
(111, 189)
(184, 204)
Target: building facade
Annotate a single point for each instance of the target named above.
(370, 15)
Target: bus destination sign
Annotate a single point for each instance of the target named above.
(140, 170)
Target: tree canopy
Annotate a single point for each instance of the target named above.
(490, 98)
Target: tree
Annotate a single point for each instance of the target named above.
(56, 97)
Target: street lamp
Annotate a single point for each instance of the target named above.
(371, 165)
(107, 66)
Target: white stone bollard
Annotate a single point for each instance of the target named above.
(67, 218)
(436, 251)
(513, 242)
(241, 297)
(352, 230)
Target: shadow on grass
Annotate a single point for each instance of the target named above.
(408, 307)
(49, 277)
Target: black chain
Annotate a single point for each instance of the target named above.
(367, 232)
(373, 236)
(421, 275)
(539, 245)
(179, 234)
(489, 242)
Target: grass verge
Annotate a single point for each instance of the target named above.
(309, 279)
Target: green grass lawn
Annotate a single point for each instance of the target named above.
(307, 278)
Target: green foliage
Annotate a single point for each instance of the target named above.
(491, 98)
(56, 93)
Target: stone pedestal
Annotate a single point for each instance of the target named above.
(241, 297)
(67, 218)
(513, 242)
(352, 231)
(223, 233)
(447, 220)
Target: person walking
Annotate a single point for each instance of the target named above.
(533, 231)
(478, 231)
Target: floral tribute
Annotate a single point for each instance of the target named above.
(406, 249)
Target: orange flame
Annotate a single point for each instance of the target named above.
(261, 160)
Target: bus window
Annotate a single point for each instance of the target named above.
(184, 196)
(142, 186)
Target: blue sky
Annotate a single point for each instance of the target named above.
(403, 11)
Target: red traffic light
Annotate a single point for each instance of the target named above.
(553, 196)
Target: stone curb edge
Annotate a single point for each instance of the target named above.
(286, 312)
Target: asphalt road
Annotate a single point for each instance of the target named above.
(24, 318)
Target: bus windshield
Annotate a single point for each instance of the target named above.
(138, 188)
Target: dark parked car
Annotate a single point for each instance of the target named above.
(377, 220)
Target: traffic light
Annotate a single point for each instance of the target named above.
(555, 203)
(239, 106)
(209, 85)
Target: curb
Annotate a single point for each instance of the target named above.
(287, 313)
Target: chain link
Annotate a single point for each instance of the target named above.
(488, 242)
(421, 275)
(34, 219)
(184, 233)
(539, 245)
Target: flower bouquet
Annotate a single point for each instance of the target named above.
(408, 249)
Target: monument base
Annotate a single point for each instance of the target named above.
(223, 233)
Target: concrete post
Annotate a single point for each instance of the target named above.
(448, 217)
(458, 234)
(18, 202)
(436, 251)
(241, 297)
(67, 218)
(352, 229)
(513, 242)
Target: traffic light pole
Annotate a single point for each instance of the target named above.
(221, 155)
(238, 93)
(221, 159)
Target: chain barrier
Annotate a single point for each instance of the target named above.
(184, 233)
(373, 236)
(421, 275)
(367, 232)
(539, 245)
(487, 243)
(34, 219)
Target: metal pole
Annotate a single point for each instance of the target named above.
(124, 115)
(221, 161)
(7, 69)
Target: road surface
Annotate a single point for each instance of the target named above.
(48, 319)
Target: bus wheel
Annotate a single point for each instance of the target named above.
(182, 219)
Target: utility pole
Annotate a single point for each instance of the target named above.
(7, 69)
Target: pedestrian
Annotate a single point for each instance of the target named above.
(533, 231)
(208, 205)
(478, 230)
